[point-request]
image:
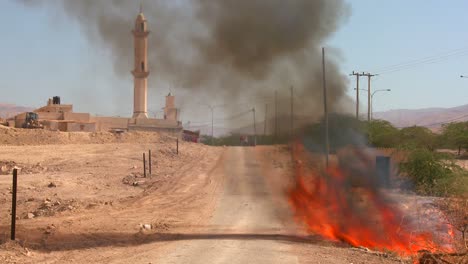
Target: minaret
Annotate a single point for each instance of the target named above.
(140, 71)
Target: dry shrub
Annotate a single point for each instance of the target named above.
(456, 210)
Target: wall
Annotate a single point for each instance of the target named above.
(50, 115)
(82, 117)
(108, 123)
(55, 108)
(50, 124)
(155, 122)
(80, 127)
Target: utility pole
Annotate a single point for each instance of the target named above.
(255, 127)
(212, 121)
(325, 109)
(357, 74)
(265, 123)
(276, 113)
(369, 76)
(292, 110)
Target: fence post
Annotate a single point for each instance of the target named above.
(13, 204)
(177, 143)
(144, 165)
(149, 162)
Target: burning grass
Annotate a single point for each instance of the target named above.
(344, 203)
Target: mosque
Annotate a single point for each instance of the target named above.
(57, 116)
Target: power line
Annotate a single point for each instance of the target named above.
(422, 61)
(447, 121)
(445, 54)
(235, 116)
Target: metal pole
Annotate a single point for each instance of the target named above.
(255, 128)
(149, 162)
(144, 165)
(13, 204)
(327, 146)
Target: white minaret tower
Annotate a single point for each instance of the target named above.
(140, 71)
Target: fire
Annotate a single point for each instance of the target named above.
(331, 205)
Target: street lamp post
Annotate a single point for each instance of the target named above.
(372, 99)
(211, 107)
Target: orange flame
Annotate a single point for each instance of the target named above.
(329, 206)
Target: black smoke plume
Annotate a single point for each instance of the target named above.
(229, 49)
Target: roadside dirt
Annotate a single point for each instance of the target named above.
(79, 202)
(21, 137)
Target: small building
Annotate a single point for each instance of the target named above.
(56, 116)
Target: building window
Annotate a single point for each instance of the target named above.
(142, 27)
(142, 66)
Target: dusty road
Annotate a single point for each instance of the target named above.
(245, 227)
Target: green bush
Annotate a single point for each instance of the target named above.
(381, 133)
(434, 173)
(417, 137)
(455, 135)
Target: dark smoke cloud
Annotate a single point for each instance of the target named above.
(229, 49)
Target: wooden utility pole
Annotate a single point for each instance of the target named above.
(292, 110)
(255, 127)
(357, 74)
(369, 76)
(325, 109)
(212, 124)
(265, 123)
(276, 113)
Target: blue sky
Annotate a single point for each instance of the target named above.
(44, 55)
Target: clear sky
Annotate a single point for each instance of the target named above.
(43, 55)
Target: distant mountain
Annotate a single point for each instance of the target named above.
(10, 110)
(432, 118)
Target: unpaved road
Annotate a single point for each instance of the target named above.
(226, 205)
(245, 227)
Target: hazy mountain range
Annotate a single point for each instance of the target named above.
(432, 118)
(10, 110)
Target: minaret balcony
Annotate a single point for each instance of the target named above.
(140, 34)
(140, 74)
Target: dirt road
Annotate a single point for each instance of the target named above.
(245, 227)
